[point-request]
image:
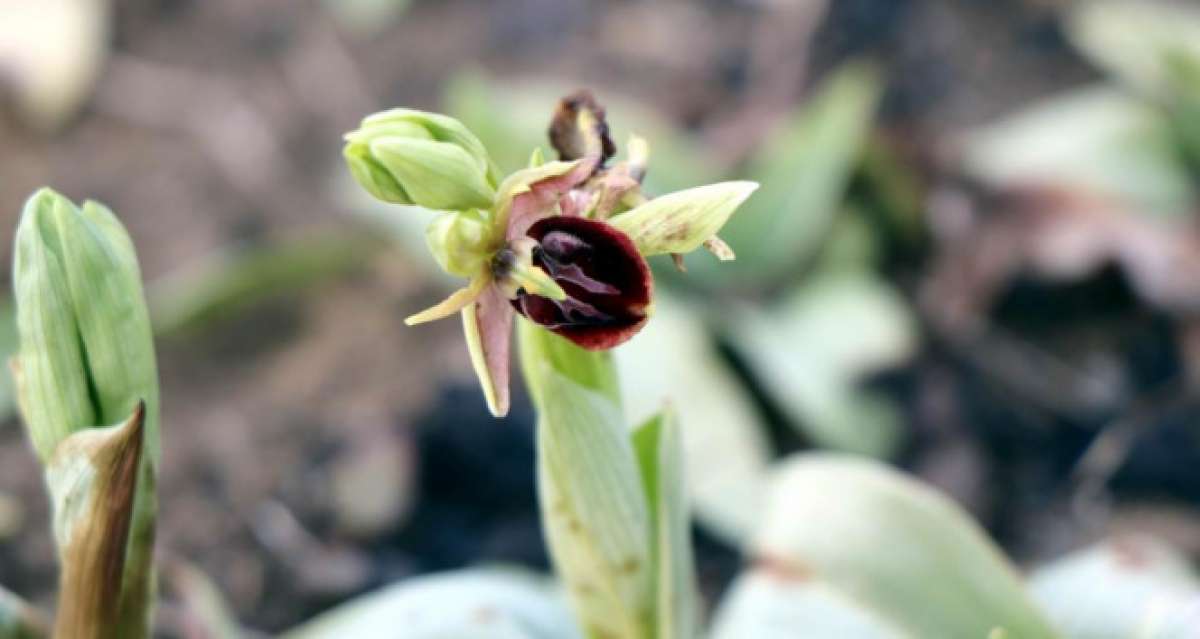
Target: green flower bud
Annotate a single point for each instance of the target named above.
(461, 241)
(681, 222)
(430, 160)
(87, 352)
(86, 356)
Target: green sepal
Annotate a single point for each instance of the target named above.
(681, 222)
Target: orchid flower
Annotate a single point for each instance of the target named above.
(563, 243)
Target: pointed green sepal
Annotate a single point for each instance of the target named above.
(659, 448)
(681, 222)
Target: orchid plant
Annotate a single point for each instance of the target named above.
(562, 243)
(87, 384)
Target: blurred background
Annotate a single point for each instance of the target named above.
(975, 254)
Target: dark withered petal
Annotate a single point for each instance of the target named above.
(573, 142)
(607, 282)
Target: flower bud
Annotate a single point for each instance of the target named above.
(607, 285)
(87, 354)
(412, 157)
(579, 129)
(460, 241)
(86, 360)
(681, 222)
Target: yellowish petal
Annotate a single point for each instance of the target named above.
(457, 301)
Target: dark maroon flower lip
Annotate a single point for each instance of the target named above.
(607, 282)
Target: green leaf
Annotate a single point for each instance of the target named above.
(812, 350)
(726, 449)
(466, 604)
(804, 170)
(765, 605)
(1097, 139)
(1134, 40)
(660, 456)
(894, 547)
(594, 510)
(1122, 589)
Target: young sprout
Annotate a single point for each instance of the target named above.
(88, 391)
(563, 243)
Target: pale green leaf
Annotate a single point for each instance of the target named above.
(804, 169)
(1097, 139)
(763, 605)
(1132, 588)
(895, 547)
(726, 452)
(467, 604)
(1134, 40)
(593, 508)
(660, 456)
(811, 351)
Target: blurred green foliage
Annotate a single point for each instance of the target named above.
(804, 168)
